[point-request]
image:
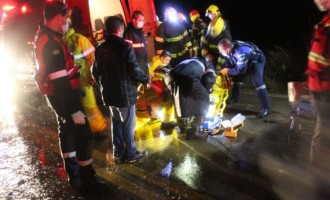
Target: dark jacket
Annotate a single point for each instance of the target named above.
(117, 71)
(139, 43)
(53, 56)
(193, 78)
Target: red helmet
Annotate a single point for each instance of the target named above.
(193, 15)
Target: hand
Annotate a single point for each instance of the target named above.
(224, 71)
(79, 118)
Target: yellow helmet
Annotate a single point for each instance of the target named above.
(214, 10)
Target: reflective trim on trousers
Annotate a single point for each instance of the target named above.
(69, 154)
(85, 162)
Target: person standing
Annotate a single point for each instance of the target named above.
(197, 28)
(59, 80)
(83, 53)
(134, 35)
(216, 30)
(318, 79)
(242, 59)
(117, 71)
(172, 36)
(192, 82)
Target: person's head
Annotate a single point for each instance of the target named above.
(56, 14)
(225, 46)
(165, 57)
(212, 12)
(170, 14)
(114, 26)
(323, 5)
(181, 17)
(138, 19)
(194, 14)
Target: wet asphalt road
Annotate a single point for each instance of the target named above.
(263, 162)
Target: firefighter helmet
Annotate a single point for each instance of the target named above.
(170, 13)
(213, 9)
(194, 14)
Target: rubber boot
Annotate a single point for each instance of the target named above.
(72, 169)
(90, 184)
(235, 93)
(193, 132)
(265, 103)
(183, 124)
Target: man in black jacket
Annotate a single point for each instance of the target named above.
(117, 71)
(192, 82)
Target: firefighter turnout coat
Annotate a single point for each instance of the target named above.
(318, 71)
(139, 43)
(56, 75)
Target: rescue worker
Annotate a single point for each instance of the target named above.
(242, 59)
(197, 28)
(191, 84)
(117, 71)
(318, 79)
(172, 36)
(159, 75)
(135, 36)
(58, 79)
(216, 30)
(83, 51)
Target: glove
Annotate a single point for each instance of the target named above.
(224, 71)
(79, 118)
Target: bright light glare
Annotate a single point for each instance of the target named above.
(188, 171)
(6, 83)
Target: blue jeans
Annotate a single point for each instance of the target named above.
(123, 124)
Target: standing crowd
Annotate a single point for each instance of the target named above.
(182, 74)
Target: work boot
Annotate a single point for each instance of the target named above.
(72, 169)
(90, 183)
(168, 125)
(265, 103)
(183, 124)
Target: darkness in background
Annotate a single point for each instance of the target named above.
(266, 23)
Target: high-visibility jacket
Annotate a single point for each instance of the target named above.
(136, 37)
(56, 75)
(173, 37)
(83, 54)
(217, 30)
(197, 30)
(318, 71)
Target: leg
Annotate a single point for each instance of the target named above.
(117, 132)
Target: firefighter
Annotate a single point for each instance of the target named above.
(197, 28)
(159, 74)
(318, 79)
(191, 84)
(172, 36)
(135, 36)
(83, 52)
(216, 30)
(242, 59)
(59, 80)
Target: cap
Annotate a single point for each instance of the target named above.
(53, 8)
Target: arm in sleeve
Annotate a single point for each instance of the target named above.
(133, 68)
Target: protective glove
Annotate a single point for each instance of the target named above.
(79, 118)
(224, 71)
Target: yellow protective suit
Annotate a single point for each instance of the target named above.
(83, 52)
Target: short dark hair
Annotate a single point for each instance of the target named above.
(113, 23)
(165, 53)
(53, 8)
(136, 13)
